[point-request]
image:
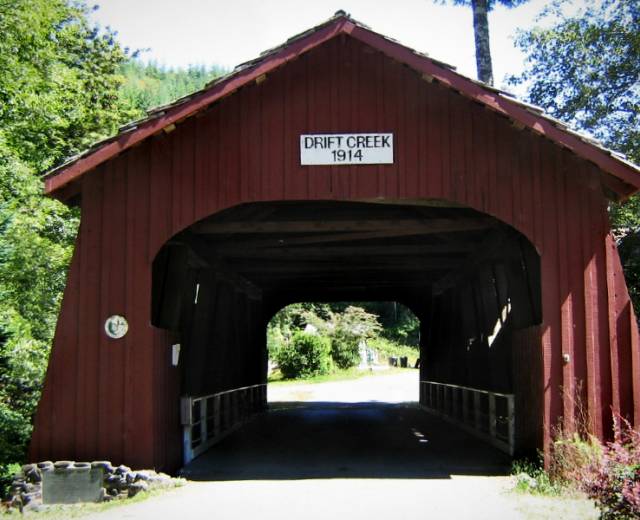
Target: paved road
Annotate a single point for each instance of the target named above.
(390, 388)
(353, 460)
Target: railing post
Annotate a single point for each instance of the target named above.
(432, 397)
(465, 406)
(454, 402)
(477, 420)
(185, 416)
(511, 426)
(203, 420)
(216, 416)
(492, 415)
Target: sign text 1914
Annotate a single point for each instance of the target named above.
(336, 149)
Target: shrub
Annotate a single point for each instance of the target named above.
(306, 355)
(613, 479)
(532, 478)
(345, 350)
(608, 473)
(346, 329)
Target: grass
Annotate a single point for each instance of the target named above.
(540, 498)
(338, 375)
(532, 478)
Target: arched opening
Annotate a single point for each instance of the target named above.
(473, 281)
(338, 352)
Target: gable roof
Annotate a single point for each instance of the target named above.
(620, 176)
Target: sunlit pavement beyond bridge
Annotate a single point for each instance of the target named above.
(355, 458)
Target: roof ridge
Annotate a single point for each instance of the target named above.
(524, 114)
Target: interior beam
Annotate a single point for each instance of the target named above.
(425, 226)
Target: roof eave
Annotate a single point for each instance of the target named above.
(626, 173)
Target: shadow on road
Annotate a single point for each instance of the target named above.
(346, 440)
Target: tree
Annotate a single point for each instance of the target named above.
(481, 10)
(59, 83)
(585, 70)
(58, 93)
(148, 85)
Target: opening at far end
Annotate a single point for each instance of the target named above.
(345, 352)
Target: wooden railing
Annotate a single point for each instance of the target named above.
(488, 415)
(209, 418)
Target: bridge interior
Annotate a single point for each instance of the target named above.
(473, 281)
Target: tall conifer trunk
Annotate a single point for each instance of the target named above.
(481, 32)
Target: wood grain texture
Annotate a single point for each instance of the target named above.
(119, 399)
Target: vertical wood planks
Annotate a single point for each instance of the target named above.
(245, 149)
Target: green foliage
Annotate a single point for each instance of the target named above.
(306, 355)
(59, 82)
(531, 477)
(398, 323)
(387, 348)
(584, 70)
(350, 328)
(608, 473)
(150, 85)
(346, 325)
(346, 330)
(58, 93)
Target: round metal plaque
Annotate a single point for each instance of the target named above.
(116, 326)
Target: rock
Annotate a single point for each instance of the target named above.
(32, 488)
(26, 468)
(80, 467)
(142, 475)
(30, 497)
(45, 464)
(105, 465)
(122, 470)
(18, 487)
(114, 482)
(34, 475)
(137, 487)
(62, 464)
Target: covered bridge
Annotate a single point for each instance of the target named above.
(338, 166)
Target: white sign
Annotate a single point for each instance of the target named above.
(116, 326)
(333, 149)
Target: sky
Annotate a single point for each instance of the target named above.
(178, 33)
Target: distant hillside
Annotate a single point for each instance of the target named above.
(148, 85)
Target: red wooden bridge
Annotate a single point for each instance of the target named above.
(485, 217)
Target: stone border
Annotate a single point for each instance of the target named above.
(118, 482)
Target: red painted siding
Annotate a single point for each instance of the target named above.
(118, 399)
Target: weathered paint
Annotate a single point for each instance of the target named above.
(119, 399)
